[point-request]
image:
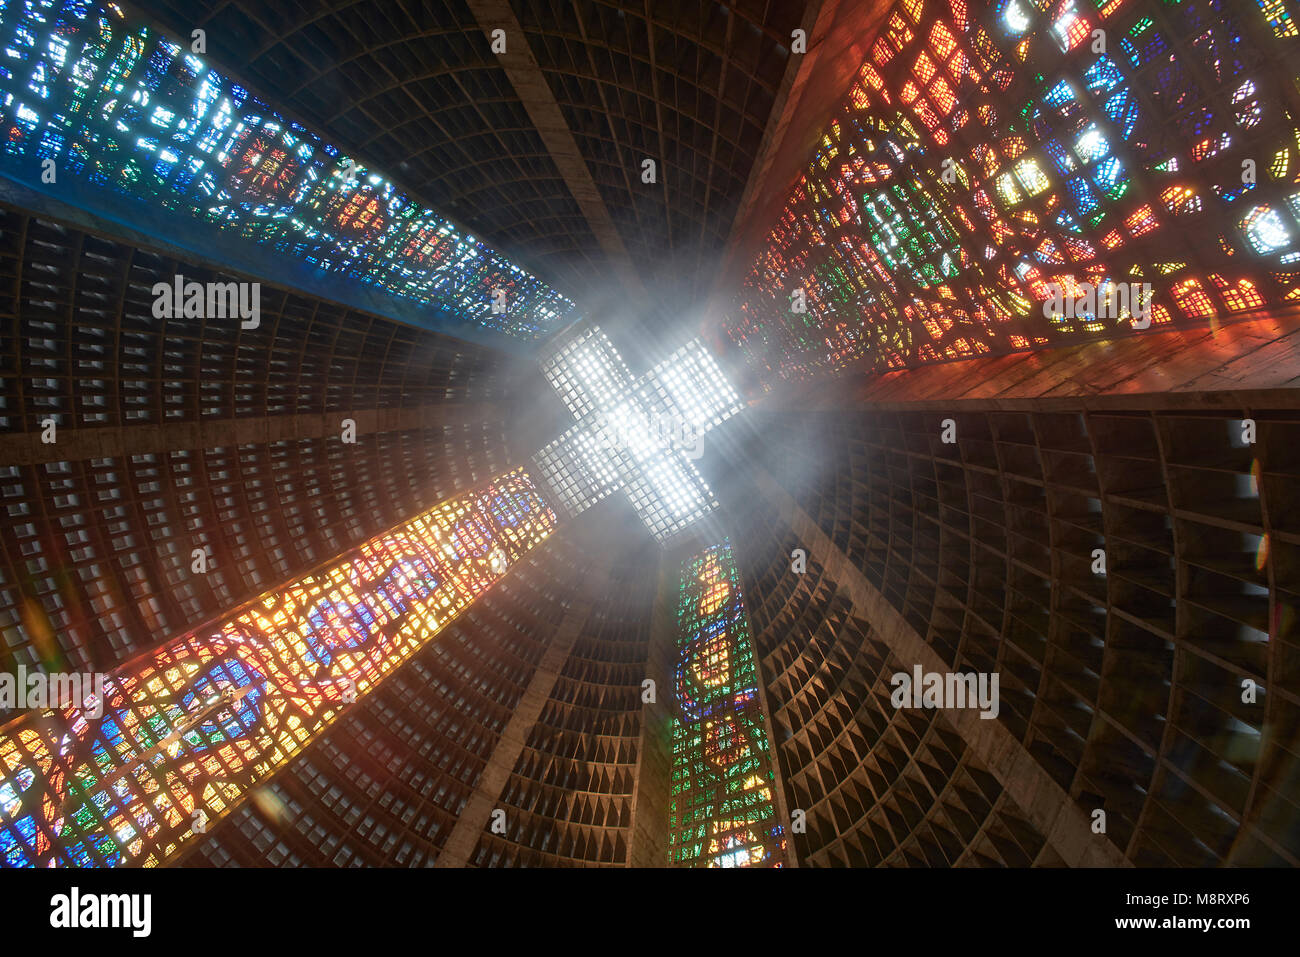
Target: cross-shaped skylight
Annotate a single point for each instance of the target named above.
(636, 435)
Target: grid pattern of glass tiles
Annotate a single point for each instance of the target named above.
(186, 731)
(588, 373)
(580, 469)
(690, 389)
(669, 493)
(639, 435)
(722, 812)
(988, 150)
(121, 108)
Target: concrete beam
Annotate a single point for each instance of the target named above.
(73, 445)
(651, 793)
(839, 37)
(1252, 362)
(1045, 803)
(780, 804)
(817, 19)
(535, 93)
(477, 813)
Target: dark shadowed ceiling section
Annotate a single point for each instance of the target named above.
(689, 85)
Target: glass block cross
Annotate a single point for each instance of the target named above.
(640, 435)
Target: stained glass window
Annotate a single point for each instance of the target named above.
(122, 108)
(988, 151)
(186, 731)
(723, 812)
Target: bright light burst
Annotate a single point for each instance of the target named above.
(635, 435)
